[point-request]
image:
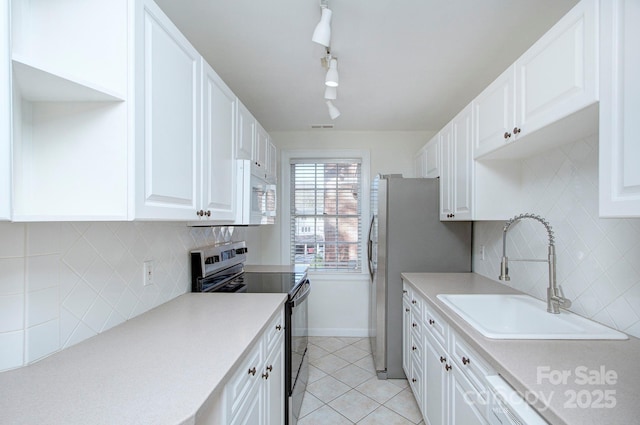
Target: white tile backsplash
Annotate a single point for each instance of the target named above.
(598, 259)
(61, 283)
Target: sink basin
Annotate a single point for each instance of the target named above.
(507, 316)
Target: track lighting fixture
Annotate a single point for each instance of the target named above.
(332, 80)
(322, 33)
(330, 93)
(333, 111)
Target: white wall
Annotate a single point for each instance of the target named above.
(61, 283)
(598, 259)
(338, 304)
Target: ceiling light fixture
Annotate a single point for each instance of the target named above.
(322, 33)
(332, 80)
(333, 111)
(330, 93)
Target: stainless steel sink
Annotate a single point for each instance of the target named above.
(506, 316)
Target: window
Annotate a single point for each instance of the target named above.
(326, 214)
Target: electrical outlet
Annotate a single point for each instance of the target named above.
(482, 252)
(148, 272)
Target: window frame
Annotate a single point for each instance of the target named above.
(285, 178)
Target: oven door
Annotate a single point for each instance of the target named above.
(299, 367)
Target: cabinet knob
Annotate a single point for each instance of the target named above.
(252, 371)
(270, 368)
(414, 348)
(278, 327)
(443, 359)
(199, 213)
(447, 367)
(414, 324)
(208, 213)
(414, 380)
(404, 291)
(406, 309)
(507, 135)
(516, 130)
(431, 322)
(465, 360)
(414, 302)
(265, 375)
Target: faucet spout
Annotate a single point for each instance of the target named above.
(555, 295)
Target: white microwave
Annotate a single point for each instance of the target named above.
(257, 205)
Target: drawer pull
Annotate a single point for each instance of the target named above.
(278, 327)
(443, 359)
(414, 302)
(431, 322)
(465, 360)
(270, 368)
(507, 135)
(252, 371)
(406, 309)
(447, 367)
(404, 291)
(414, 380)
(265, 375)
(414, 348)
(414, 324)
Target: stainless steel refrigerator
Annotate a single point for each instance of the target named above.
(406, 235)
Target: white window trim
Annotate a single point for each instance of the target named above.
(285, 186)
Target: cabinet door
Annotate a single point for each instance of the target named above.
(619, 106)
(466, 406)
(419, 162)
(432, 158)
(260, 154)
(494, 114)
(446, 173)
(558, 75)
(246, 132)
(251, 412)
(435, 382)
(275, 387)
(406, 337)
(5, 114)
(462, 166)
(168, 118)
(272, 161)
(219, 187)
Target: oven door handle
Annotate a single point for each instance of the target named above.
(302, 295)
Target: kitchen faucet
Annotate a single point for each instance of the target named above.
(555, 296)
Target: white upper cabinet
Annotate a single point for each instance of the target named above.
(246, 132)
(547, 96)
(619, 106)
(260, 155)
(167, 117)
(419, 162)
(432, 158)
(457, 168)
(70, 83)
(5, 113)
(219, 174)
(272, 162)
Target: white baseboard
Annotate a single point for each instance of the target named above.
(347, 332)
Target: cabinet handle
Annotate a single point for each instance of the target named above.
(199, 213)
(516, 130)
(414, 380)
(278, 327)
(414, 324)
(208, 213)
(404, 291)
(414, 302)
(265, 375)
(507, 135)
(270, 368)
(443, 359)
(465, 360)
(431, 322)
(450, 215)
(252, 371)
(414, 348)
(447, 367)
(407, 310)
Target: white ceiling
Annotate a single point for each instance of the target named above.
(404, 64)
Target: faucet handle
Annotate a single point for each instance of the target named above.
(564, 302)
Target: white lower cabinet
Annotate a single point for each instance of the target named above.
(255, 393)
(5, 114)
(449, 380)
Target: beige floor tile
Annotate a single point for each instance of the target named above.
(309, 404)
(315, 374)
(402, 383)
(384, 416)
(366, 363)
(314, 352)
(331, 344)
(363, 344)
(353, 405)
(349, 340)
(329, 363)
(405, 404)
(352, 375)
(327, 388)
(324, 416)
(351, 354)
(379, 390)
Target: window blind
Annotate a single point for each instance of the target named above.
(326, 214)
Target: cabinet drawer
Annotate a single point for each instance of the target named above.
(275, 331)
(406, 291)
(416, 305)
(436, 326)
(471, 363)
(246, 377)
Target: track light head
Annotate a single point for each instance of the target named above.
(322, 33)
(333, 111)
(332, 79)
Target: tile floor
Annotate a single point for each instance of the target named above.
(343, 388)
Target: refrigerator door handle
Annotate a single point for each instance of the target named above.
(370, 248)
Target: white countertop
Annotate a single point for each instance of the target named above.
(158, 368)
(517, 361)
